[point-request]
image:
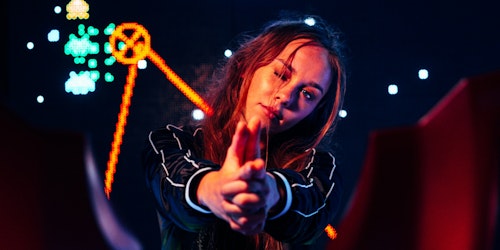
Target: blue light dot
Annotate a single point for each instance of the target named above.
(392, 89)
(310, 21)
(423, 74)
(343, 113)
(198, 114)
(53, 36)
(40, 99)
(142, 64)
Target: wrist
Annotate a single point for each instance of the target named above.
(204, 186)
(193, 188)
(284, 191)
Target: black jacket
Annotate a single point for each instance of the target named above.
(174, 167)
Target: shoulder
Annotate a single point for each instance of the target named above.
(180, 136)
(321, 157)
(321, 161)
(176, 131)
(186, 130)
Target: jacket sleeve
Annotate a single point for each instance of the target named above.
(173, 172)
(309, 200)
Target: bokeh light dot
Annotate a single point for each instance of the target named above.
(392, 89)
(142, 64)
(198, 114)
(343, 113)
(310, 21)
(40, 99)
(423, 74)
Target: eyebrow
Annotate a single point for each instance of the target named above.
(311, 84)
(288, 66)
(317, 86)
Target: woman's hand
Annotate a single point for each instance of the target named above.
(241, 192)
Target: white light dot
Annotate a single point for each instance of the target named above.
(342, 113)
(310, 21)
(40, 99)
(142, 64)
(53, 36)
(423, 74)
(30, 45)
(392, 89)
(228, 53)
(198, 114)
(57, 9)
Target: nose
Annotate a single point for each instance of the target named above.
(285, 95)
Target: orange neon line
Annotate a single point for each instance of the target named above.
(120, 128)
(177, 81)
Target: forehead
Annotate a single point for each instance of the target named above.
(308, 59)
(298, 44)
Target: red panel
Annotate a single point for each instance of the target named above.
(433, 185)
(43, 190)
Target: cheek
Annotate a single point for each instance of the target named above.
(255, 88)
(306, 111)
(302, 113)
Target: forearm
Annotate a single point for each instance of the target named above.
(171, 175)
(313, 201)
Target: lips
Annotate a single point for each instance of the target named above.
(272, 113)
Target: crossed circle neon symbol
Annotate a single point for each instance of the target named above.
(139, 43)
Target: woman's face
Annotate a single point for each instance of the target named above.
(281, 95)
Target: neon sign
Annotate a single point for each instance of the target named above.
(129, 50)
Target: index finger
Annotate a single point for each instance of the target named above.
(238, 144)
(252, 150)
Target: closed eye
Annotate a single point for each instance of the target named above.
(281, 76)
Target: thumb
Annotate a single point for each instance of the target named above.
(255, 170)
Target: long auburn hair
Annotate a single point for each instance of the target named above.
(231, 84)
(289, 149)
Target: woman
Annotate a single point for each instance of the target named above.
(257, 173)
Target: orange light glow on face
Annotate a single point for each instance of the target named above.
(139, 44)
